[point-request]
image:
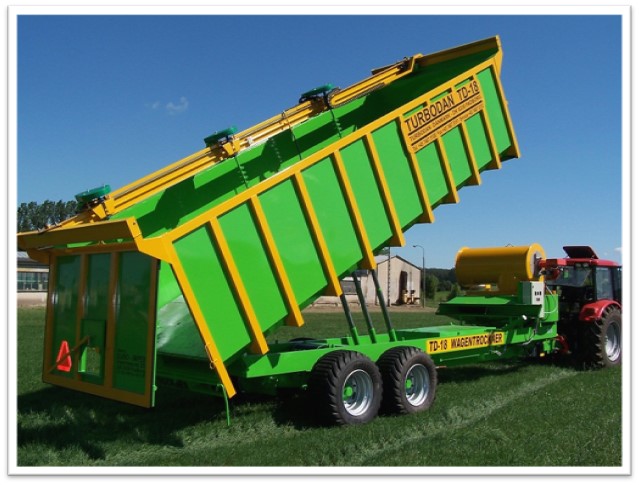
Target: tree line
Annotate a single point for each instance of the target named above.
(437, 280)
(33, 216)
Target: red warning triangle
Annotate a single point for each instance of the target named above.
(64, 357)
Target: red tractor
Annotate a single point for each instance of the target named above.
(589, 291)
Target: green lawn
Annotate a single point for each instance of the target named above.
(500, 414)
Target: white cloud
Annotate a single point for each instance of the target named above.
(180, 107)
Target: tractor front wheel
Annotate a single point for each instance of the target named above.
(601, 340)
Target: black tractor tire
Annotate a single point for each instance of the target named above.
(601, 340)
(409, 379)
(345, 388)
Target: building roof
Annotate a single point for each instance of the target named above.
(382, 258)
(25, 261)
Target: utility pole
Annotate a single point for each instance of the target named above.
(423, 292)
(388, 277)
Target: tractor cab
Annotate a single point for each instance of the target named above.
(582, 278)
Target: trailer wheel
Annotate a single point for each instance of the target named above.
(601, 340)
(346, 388)
(409, 379)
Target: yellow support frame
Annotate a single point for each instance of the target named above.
(452, 197)
(495, 162)
(259, 345)
(50, 314)
(294, 314)
(333, 286)
(464, 50)
(368, 258)
(200, 322)
(475, 178)
(397, 238)
(97, 232)
(427, 215)
(513, 150)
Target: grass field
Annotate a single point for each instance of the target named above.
(502, 414)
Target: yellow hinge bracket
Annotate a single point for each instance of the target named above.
(104, 209)
(231, 147)
(157, 247)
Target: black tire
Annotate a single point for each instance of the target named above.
(345, 387)
(409, 379)
(601, 340)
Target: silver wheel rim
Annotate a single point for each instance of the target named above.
(357, 392)
(417, 385)
(613, 342)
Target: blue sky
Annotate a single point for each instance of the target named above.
(109, 99)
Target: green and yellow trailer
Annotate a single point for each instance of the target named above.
(179, 278)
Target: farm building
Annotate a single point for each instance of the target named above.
(400, 283)
(32, 281)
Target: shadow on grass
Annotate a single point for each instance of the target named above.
(65, 420)
(295, 409)
(62, 419)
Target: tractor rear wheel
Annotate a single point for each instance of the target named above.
(409, 379)
(601, 340)
(345, 387)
